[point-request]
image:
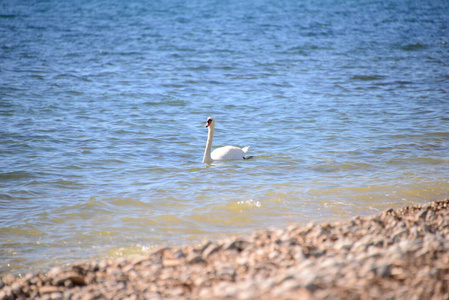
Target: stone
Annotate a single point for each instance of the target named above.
(397, 254)
(48, 289)
(195, 259)
(74, 278)
(171, 262)
(210, 249)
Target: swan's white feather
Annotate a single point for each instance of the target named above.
(229, 152)
(222, 153)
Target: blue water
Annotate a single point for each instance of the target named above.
(103, 104)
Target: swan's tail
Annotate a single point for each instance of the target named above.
(245, 149)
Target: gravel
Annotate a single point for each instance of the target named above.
(396, 254)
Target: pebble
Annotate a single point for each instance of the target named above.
(171, 262)
(48, 289)
(396, 254)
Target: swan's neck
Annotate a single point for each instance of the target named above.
(210, 136)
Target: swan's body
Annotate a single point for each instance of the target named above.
(229, 152)
(222, 153)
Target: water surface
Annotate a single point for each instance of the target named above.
(103, 104)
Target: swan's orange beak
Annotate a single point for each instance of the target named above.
(208, 123)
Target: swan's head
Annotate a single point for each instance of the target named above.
(210, 122)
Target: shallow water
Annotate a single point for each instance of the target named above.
(103, 104)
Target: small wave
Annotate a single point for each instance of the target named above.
(426, 161)
(85, 210)
(67, 184)
(6, 16)
(250, 203)
(128, 202)
(166, 103)
(15, 232)
(367, 77)
(6, 197)
(169, 218)
(414, 47)
(129, 251)
(16, 175)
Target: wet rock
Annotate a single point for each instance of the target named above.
(69, 278)
(238, 245)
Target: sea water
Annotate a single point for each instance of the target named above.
(103, 106)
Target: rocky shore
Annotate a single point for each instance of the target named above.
(398, 254)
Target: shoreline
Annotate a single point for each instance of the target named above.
(402, 253)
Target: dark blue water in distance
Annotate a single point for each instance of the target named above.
(103, 104)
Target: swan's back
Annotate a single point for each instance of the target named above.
(229, 152)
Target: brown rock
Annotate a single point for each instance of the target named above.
(74, 278)
(171, 262)
(48, 289)
(195, 259)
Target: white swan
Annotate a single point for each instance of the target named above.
(222, 153)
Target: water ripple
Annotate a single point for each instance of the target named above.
(102, 126)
